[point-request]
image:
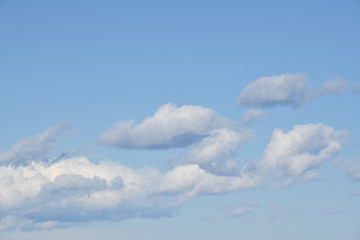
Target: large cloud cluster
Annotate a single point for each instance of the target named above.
(39, 192)
(43, 194)
(77, 190)
(212, 139)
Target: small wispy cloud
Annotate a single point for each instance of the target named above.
(351, 167)
(252, 116)
(285, 89)
(34, 148)
(238, 210)
(290, 89)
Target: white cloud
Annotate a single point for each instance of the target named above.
(170, 126)
(35, 148)
(214, 139)
(44, 194)
(285, 89)
(77, 190)
(197, 181)
(334, 86)
(252, 115)
(289, 89)
(352, 169)
(337, 86)
(296, 152)
(215, 151)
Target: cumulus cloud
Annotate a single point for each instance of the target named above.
(289, 89)
(285, 89)
(170, 126)
(77, 190)
(296, 152)
(40, 194)
(35, 148)
(215, 151)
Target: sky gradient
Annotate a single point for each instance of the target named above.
(179, 120)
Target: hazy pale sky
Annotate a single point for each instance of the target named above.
(179, 120)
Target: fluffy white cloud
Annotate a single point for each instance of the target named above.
(34, 148)
(301, 149)
(45, 194)
(170, 126)
(285, 89)
(77, 190)
(215, 151)
(214, 139)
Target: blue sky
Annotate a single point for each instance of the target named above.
(179, 120)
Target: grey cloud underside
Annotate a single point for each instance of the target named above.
(179, 141)
(285, 89)
(40, 194)
(35, 148)
(289, 89)
(212, 139)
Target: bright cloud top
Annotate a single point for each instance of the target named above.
(170, 126)
(214, 152)
(289, 89)
(213, 139)
(77, 190)
(301, 149)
